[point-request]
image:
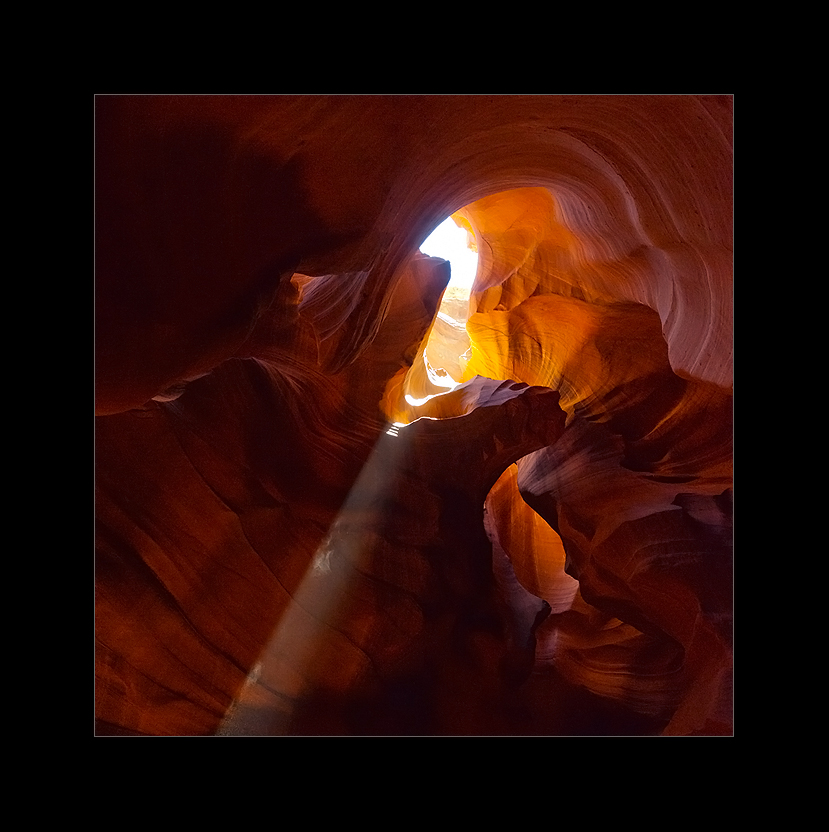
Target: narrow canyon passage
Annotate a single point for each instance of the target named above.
(326, 505)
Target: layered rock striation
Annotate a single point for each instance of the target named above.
(298, 532)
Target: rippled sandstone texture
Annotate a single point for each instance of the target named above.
(270, 559)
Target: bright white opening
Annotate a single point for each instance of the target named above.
(445, 355)
(450, 242)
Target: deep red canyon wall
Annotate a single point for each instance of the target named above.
(548, 552)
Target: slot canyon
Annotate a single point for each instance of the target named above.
(324, 509)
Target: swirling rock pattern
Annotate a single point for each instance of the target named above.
(547, 551)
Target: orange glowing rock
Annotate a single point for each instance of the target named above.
(534, 549)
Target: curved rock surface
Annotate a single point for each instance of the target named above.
(546, 549)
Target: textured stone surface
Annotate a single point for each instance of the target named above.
(548, 551)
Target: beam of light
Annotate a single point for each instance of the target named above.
(306, 642)
(300, 648)
(450, 242)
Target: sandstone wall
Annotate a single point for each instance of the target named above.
(548, 551)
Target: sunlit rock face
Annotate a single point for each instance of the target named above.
(545, 549)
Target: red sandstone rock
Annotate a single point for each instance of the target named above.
(269, 559)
